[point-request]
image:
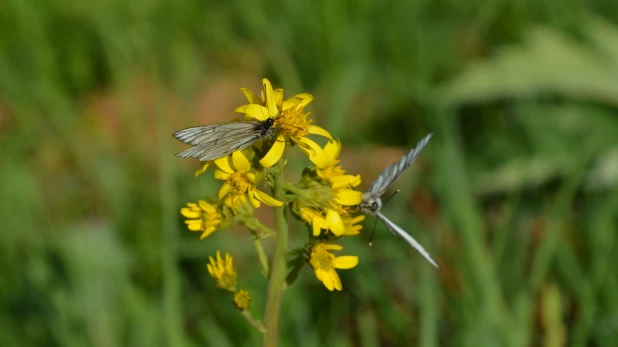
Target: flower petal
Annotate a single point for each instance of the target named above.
(345, 262)
(302, 99)
(221, 175)
(344, 181)
(335, 278)
(207, 232)
(194, 224)
(270, 99)
(258, 112)
(348, 197)
(313, 151)
(267, 199)
(225, 188)
(316, 130)
(240, 162)
(254, 202)
(317, 226)
(224, 164)
(278, 96)
(332, 149)
(332, 246)
(253, 99)
(326, 279)
(207, 207)
(335, 223)
(190, 213)
(274, 153)
(202, 169)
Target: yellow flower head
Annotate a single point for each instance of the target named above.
(331, 172)
(240, 181)
(324, 264)
(242, 299)
(290, 121)
(223, 271)
(205, 217)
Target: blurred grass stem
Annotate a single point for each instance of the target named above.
(278, 266)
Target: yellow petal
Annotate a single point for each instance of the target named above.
(202, 169)
(190, 213)
(207, 207)
(194, 224)
(326, 279)
(221, 175)
(224, 164)
(253, 99)
(254, 202)
(207, 232)
(278, 96)
(225, 188)
(357, 219)
(348, 197)
(258, 112)
(302, 99)
(345, 262)
(335, 223)
(270, 100)
(332, 149)
(336, 280)
(317, 226)
(274, 153)
(345, 181)
(332, 246)
(267, 199)
(316, 130)
(313, 151)
(240, 162)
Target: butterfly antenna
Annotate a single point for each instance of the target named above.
(373, 232)
(390, 197)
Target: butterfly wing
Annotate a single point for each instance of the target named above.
(397, 231)
(391, 173)
(218, 140)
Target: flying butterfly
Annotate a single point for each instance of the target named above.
(372, 203)
(218, 140)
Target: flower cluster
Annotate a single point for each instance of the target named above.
(325, 197)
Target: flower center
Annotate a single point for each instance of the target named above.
(293, 122)
(239, 182)
(331, 170)
(322, 260)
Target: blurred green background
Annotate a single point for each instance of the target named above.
(515, 196)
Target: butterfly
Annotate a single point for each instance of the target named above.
(372, 203)
(218, 140)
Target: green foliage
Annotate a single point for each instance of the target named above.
(516, 195)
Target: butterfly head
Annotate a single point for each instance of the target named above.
(371, 204)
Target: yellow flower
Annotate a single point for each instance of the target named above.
(352, 226)
(223, 271)
(331, 172)
(242, 299)
(324, 264)
(202, 217)
(240, 181)
(290, 121)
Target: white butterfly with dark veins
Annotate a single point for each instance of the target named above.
(372, 203)
(215, 141)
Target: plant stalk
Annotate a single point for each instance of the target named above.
(276, 281)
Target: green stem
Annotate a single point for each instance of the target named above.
(253, 322)
(276, 281)
(294, 189)
(261, 254)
